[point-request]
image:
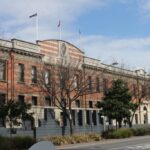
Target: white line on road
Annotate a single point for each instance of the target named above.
(133, 147)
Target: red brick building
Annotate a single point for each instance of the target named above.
(22, 62)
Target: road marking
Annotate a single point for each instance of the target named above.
(134, 147)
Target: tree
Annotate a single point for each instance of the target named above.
(14, 113)
(141, 89)
(117, 103)
(68, 83)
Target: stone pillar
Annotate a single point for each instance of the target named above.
(91, 120)
(76, 118)
(83, 117)
(97, 117)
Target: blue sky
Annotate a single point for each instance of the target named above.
(111, 30)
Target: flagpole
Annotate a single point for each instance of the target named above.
(60, 32)
(59, 26)
(79, 35)
(36, 25)
(37, 28)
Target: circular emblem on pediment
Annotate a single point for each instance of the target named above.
(63, 49)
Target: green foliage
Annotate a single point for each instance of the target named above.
(76, 138)
(5, 143)
(126, 132)
(117, 134)
(14, 143)
(22, 142)
(117, 102)
(14, 112)
(141, 131)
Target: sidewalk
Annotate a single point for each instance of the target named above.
(101, 142)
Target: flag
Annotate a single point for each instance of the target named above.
(79, 31)
(34, 15)
(59, 23)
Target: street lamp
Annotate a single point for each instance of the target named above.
(114, 63)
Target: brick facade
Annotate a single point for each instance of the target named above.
(48, 53)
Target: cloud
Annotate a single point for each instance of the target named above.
(15, 15)
(144, 8)
(132, 52)
(15, 23)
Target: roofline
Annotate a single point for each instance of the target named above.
(62, 41)
(24, 41)
(92, 58)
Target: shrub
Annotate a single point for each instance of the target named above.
(94, 137)
(14, 143)
(22, 142)
(56, 140)
(76, 138)
(141, 131)
(116, 134)
(80, 138)
(5, 143)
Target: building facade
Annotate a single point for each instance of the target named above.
(25, 67)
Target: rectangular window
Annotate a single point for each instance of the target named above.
(134, 89)
(101, 119)
(77, 103)
(143, 90)
(21, 99)
(45, 114)
(34, 100)
(47, 77)
(76, 81)
(97, 85)
(48, 101)
(90, 104)
(2, 98)
(80, 118)
(63, 121)
(145, 118)
(2, 101)
(89, 83)
(94, 118)
(88, 117)
(2, 70)
(73, 117)
(136, 118)
(34, 74)
(105, 85)
(21, 72)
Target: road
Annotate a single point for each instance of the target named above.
(135, 143)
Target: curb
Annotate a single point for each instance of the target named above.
(101, 142)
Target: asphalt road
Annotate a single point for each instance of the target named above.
(135, 143)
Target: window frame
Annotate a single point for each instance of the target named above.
(34, 74)
(3, 70)
(34, 100)
(21, 72)
(47, 78)
(21, 99)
